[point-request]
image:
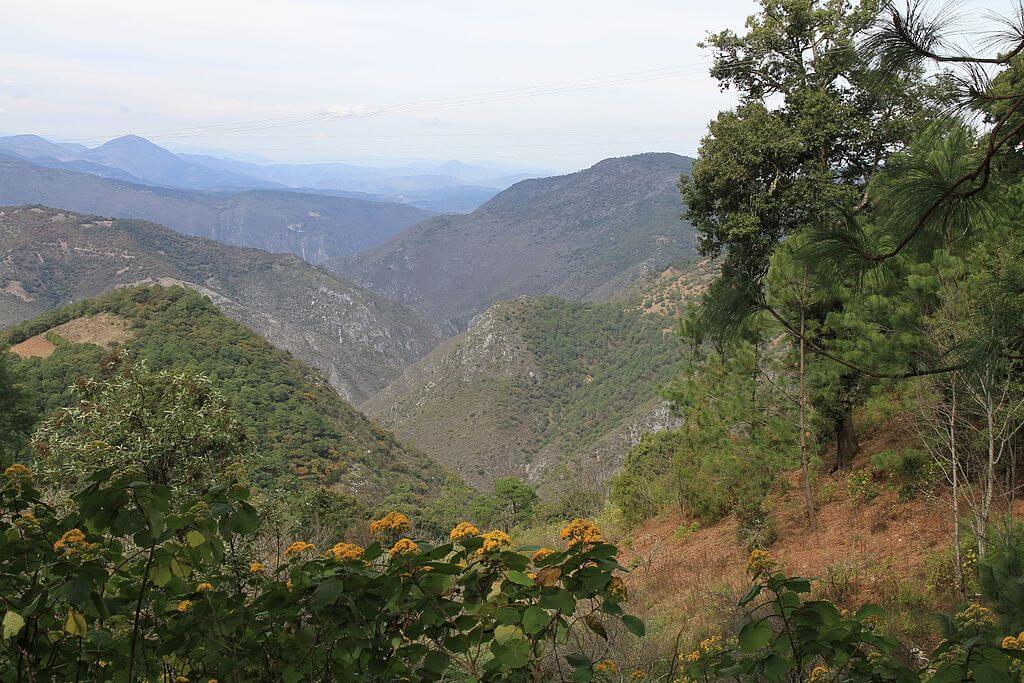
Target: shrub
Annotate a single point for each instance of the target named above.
(785, 637)
(862, 485)
(126, 589)
(755, 528)
(911, 469)
(1001, 576)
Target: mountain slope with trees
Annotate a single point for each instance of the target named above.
(313, 226)
(301, 429)
(585, 236)
(359, 340)
(544, 389)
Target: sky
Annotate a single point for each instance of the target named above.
(526, 84)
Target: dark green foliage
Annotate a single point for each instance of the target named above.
(144, 582)
(1001, 576)
(536, 380)
(171, 429)
(733, 442)
(596, 363)
(912, 469)
(16, 413)
(514, 501)
(786, 637)
(646, 481)
(299, 426)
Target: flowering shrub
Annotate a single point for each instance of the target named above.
(787, 638)
(117, 586)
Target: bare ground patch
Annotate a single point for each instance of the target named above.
(102, 329)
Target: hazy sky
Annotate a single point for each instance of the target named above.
(87, 71)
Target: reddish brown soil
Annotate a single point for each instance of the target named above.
(103, 329)
(694, 581)
(34, 347)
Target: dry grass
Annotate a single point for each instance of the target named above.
(103, 329)
(862, 551)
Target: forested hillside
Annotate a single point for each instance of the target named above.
(358, 339)
(313, 226)
(544, 389)
(585, 235)
(301, 430)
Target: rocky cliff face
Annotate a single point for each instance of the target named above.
(358, 339)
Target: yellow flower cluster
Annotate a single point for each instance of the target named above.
(819, 674)
(393, 523)
(581, 531)
(539, 556)
(617, 589)
(974, 616)
(255, 567)
(1011, 643)
(760, 562)
(709, 646)
(463, 530)
(72, 543)
(18, 471)
(27, 520)
(637, 675)
(297, 548)
(495, 540)
(404, 546)
(606, 666)
(204, 586)
(184, 605)
(346, 551)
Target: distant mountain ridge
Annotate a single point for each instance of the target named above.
(584, 236)
(451, 186)
(315, 227)
(358, 339)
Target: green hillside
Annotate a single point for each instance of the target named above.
(534, 384)
(304, 431)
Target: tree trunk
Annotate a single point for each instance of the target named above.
(805, 460)
(846, 439)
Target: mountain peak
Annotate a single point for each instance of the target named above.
(132, 143)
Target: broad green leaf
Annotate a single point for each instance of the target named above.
(13, 623)
(519, 578)
(161, 575)
(634, 625)
(194, 539)
(535, 619)
(755, 635)
(75, 625)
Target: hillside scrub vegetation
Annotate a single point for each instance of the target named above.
(301, 430)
